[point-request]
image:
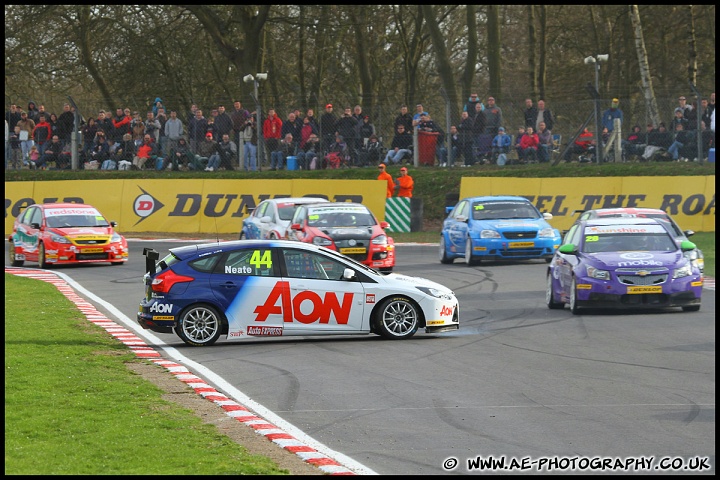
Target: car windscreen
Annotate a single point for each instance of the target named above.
(623, 242)
(76, 220)
(286, 211)
(323, 218)
(503, 210)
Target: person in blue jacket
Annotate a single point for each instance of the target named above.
(501, 146)
(609, 115)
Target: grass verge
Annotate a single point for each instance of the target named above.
(72, 407)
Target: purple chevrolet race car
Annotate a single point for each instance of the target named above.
(623, 263)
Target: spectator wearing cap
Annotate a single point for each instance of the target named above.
(501, 144)
(609, 115)
(493, 117)
(404, 184)
(472, 101)
(328, 127)
(367, 130)
(679, 119)
(205, 149)
(387, 178)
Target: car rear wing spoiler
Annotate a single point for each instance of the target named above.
(151, 257)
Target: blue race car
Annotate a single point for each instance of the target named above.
(497, 228)
(623, 263)
(247, 289)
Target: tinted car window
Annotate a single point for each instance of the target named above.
(260, 210)
(498, 210)
(36, 216)
(303, 264)
(252, 262)
(205, 264)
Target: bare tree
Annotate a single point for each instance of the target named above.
(532, 47)
(493, 51)
(542, 51)
(645, 76)
(692, 47)
(441, 57)
(472, 51)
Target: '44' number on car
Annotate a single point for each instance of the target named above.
(259, 258)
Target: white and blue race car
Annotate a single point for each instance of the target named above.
(247, 289)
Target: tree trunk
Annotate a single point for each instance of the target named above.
(645, 76)
(532, 45)
(493, 51)
(472, 52)
(692, 47)
(442, 56)
(542, 52)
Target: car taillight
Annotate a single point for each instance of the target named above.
(164, 282)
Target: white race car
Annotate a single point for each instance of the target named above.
(265, 288)
(270, 220)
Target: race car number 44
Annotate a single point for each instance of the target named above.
(642, 289)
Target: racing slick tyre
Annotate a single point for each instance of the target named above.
(550, 295)
(41, 256)
(397, 318)
(443, 253)
(199, 325)
(573, 298)
(469, 259)
(691, 308)
(13, 259)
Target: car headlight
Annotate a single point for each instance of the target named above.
(489, 234)
(116, 238)
(597, 273)
(546, 233)
(684, 271)
(322, 241)
(380, 240)
(434, 292)
(59, 238)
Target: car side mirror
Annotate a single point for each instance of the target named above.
(568, 249)
(348, 274)
(35, 225)
(689, 233)
(295, 226)
(266, 219)
(687, 245)
(113, 224)
(547, 215)
(384, 225)
(449, 209)
(461, 218)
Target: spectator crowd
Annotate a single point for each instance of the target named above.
(160, 139)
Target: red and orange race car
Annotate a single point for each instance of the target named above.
(62, 233)
(348, 228)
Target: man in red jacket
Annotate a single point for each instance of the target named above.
(42, 133)
(272, 132)
(121, 125)
(529, 144)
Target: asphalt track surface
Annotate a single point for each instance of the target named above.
(601, 392)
